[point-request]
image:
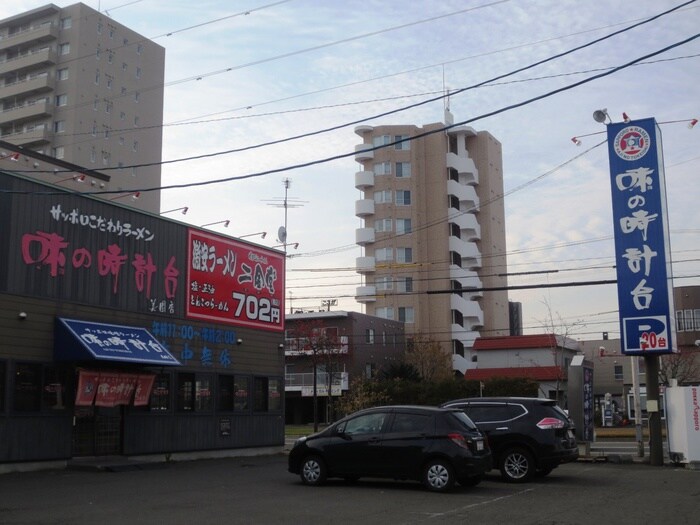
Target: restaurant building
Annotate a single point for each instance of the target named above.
(124, 333)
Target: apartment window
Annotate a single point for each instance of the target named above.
(689, 323)
(110, 56)
(64, 49)
(618, 373)
(106, 157)
(405, 284)
(65, 23)
(99, 28)
(62, 74)
(125, 42)
(369, 336)
(382, 168)
(108, 106)
(98, 52)
(111, 31)
(97, 76)
(402, 145)
(61, 100)
(58, 152)
(383, 197)
(135, 146)
(93, 155)
(403, 198)
(381, 140)
(403, 169)
(406, 314)
(385, 312)
(403, 226)
(105, 131)
(136, 122)
(59, 126)
(139, 49)
(124, 66)
(680, 321)
(96, 104)
(138, 72)
(384, 254)
(94, 128)
(136, 96)
(384, 283)
(404, 255)
(110, 80)
(122, 115)
(697, 320)
(382, 225)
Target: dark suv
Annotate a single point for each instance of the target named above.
(527, 436)
(435, 446)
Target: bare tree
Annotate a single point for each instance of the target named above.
(684, 366)
(429, 359)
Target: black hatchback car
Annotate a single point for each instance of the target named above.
(438, 447)
(527, 436)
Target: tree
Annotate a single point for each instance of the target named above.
(429, 359)
(684, 366)
(323, 349)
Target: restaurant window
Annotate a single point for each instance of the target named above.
(274, 395)
(225, 393)
(618, 373)
(202, 395)
(27, 387)
(241, 386)
(55, 386)
(260, 394)
(185, 392)
(160, 395)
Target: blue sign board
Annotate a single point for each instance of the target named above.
(80, 340)
(642, 248)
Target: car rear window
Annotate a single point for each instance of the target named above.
(493, 412)
(463, 419)
(555, 411)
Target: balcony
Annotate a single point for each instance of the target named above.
(42, 57)
(468, 199)
(470, 281)
(366, 294)
(42, 33)
(363, 152)
(26, 112)
(365, 264)
(466, 337)
(471, 311)
(29, 87)
(364, 180)
(362, 129)
(364, 207)
(471, 256)
(465, 167)
(304, 383)
(470, 229)
(364, 236)
(34, 137)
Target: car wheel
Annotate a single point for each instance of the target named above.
(313, 471)
(517, 465)
(438, 476)
(471, 481)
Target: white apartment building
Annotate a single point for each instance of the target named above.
(433, 232)
(78, 86)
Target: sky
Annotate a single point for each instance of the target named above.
(244, 73)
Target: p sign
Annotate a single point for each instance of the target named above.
(646, 334)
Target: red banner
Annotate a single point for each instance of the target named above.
(115, 389)
(144, 385)
(233, 282)
(87, 387)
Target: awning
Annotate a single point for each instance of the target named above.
(87, 341)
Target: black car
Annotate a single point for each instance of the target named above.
(435, 446)
(527, 436)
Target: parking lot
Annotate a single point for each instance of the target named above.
(260, 490)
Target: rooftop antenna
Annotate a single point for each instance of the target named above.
(285, 203)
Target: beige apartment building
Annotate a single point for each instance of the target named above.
(77, 86)
(433, 232)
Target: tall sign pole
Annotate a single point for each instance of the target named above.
(642, 254)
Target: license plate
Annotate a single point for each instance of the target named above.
(570, 434)
(479, 446)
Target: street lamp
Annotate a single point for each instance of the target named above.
(262, 235)
(225, 223)
(134, 196)
(182, 209)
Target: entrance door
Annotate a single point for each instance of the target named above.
(97, 431)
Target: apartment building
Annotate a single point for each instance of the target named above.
(433, 232)
(79, 87)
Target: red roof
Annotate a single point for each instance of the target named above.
(538, 373)
(511, 342)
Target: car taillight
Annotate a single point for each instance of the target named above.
(458, 439)
(549, 423)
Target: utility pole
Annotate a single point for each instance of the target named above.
(637, 406)
(656, 450)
